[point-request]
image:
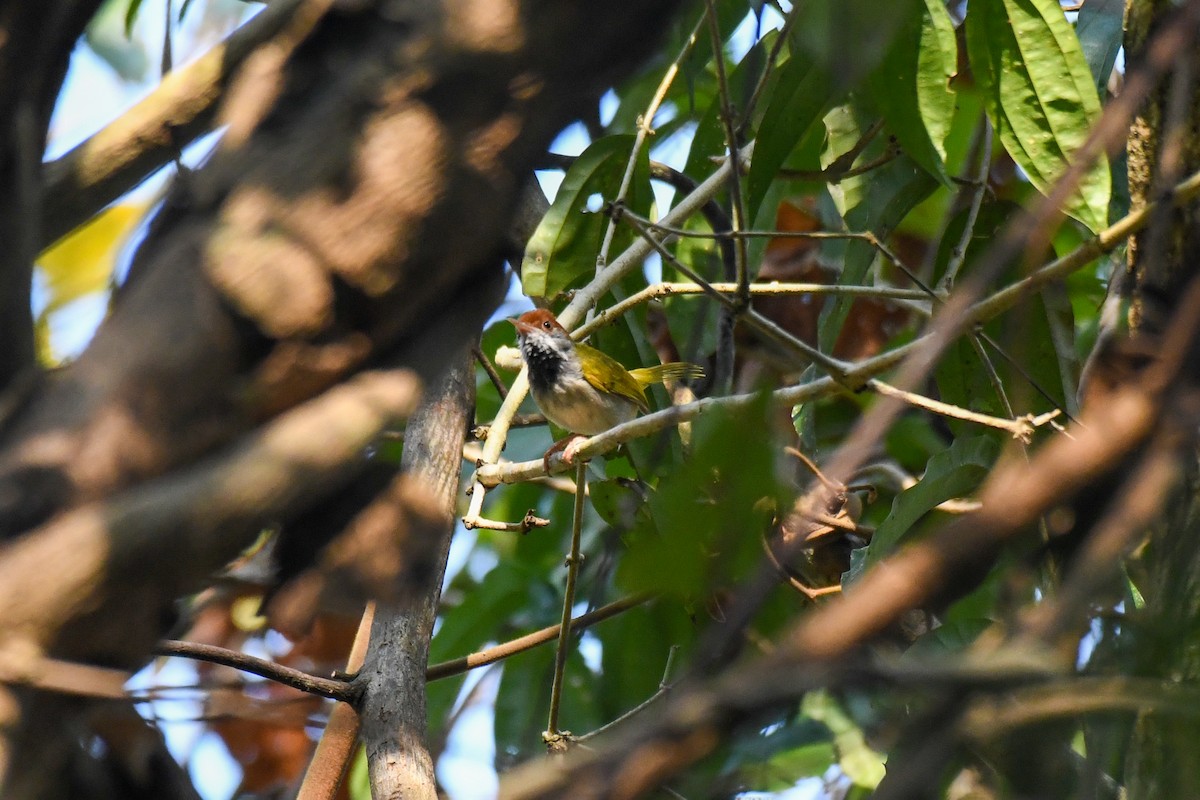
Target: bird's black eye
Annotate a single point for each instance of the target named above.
(546, 324)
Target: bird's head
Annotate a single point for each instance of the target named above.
(542, 338)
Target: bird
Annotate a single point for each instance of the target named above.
(578, 387)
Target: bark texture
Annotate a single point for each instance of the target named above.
(392, 706)
(1164, 146)
(352, 218)
(36, 40)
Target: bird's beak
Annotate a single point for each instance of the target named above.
(523, 328)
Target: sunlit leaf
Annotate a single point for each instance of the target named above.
(912, 87)
(567, 241)
(1039, 94)
(862, 764)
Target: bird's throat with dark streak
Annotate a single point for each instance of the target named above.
(545, 365)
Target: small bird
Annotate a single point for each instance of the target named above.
(578, 387)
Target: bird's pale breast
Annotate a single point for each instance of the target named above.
(574, 404)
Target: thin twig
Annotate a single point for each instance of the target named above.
(993, 376)
(663, 688)
(297, 679)
(491, 655)
(552, 736)
(490, 369)
(975, 190)
(527, 523)
(1020, 428)
(611, 313)
(643, 130)
(845, 162)
(1024, 373)
(865, 236)
(767, 327)
(772, 61)
(834, 173)
(742, 274)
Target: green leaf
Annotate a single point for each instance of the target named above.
(876, 201)
(849, 38)
(466, 627)
(109, 38)
(861, 764)
(708, 141)
(567, 240)
(798, 102)
(523, 700)
(1100, 28)
(183, 9)
(705, 512)
(1056, 303)
(949, 638)
(131, 16)
(1024, 333)
(912, 87)
(952, 473)
(794, 749)
(617, 501)
(809, 761)
(358, 782)
(1039, 94)
(649, 631)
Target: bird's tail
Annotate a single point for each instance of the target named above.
(676, 370)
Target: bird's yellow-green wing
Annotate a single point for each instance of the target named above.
(608, 375)
(667, 372)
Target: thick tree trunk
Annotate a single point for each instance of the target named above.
(392, 707)
(36, 40)
(1163, 147)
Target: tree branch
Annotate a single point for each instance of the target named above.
(148, 136)
(106, 605)
(392, 680)
(332, 688)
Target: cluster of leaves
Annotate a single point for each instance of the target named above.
(864, 118)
